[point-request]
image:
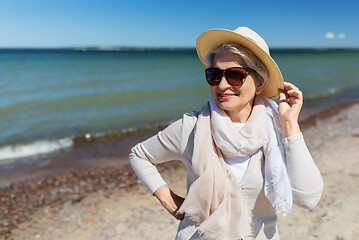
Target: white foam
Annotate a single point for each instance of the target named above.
(35, 148)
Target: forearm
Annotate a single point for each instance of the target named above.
(169, 200)
(290, 128)
(306, 180)
(146, 172)
(164, 146)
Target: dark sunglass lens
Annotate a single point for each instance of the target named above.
(213, 76)
(235, 76)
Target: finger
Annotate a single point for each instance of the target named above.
(290, 89)
(179, 216)
(288, 85)
(295, 93)
(282, 96)
(295, 101)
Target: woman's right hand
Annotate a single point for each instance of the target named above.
(169, 200)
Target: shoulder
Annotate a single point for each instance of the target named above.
(183, 126)
(189, 120)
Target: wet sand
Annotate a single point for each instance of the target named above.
(103, 200)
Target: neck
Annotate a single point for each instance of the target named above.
(242, 115)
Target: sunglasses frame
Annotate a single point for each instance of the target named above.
(230, 81)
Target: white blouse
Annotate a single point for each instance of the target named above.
(238, 165)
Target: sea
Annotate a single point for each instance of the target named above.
(52, 98)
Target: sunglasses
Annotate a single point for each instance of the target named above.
(234, 76)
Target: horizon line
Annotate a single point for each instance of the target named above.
(109, 49)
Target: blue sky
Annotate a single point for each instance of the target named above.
(146, 23)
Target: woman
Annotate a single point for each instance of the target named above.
(245, 155)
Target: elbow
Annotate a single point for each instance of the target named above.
(308, 200)
(132, 156)
(135, 159)
(309, 203)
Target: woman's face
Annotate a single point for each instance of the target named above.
(236, 101)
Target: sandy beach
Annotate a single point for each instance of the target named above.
(105, 201)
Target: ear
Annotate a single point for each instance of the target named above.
(260, 86)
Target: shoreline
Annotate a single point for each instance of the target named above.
(107, 152)
(69, 181)
(114, 151)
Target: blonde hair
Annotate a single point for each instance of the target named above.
(250, 60)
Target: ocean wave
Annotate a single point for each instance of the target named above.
(90, 138)
(34, 148)
(10, 153)
(333, 91)
(337, 94)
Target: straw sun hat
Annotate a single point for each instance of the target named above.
(249, 39)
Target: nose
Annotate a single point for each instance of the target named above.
(223, 84)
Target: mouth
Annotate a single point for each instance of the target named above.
(226, 95)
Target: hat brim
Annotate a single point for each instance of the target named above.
(212, 39)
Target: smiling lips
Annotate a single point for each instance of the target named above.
(225, 96)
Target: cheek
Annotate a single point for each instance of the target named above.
(214, 91)
(249, 86)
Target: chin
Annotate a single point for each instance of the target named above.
(226, 106)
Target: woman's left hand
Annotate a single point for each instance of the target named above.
(290, 104)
